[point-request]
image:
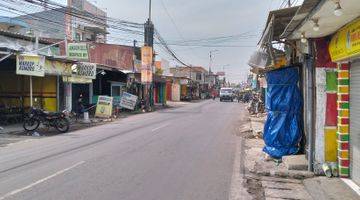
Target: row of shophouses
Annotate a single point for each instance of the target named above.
(52, 69)
(321, 38)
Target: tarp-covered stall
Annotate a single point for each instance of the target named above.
(282, 131)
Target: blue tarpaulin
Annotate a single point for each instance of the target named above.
(282, 130)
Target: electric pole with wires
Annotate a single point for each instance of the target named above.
(147, 76)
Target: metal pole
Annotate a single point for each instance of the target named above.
(57, 93)
(311, 114)
(210, 64)
(149, 10)
(30, 78)
(67, 85)
(134, 56)
(31, 92)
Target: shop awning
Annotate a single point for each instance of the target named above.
(276, 23)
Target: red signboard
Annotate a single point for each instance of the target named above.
(111, 55)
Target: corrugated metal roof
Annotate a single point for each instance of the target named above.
(276, 23)
(305, 9)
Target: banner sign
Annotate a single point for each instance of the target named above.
(146, 76)
(146, 63)
(85, 70)
(146, 57)
(53, 67)
(128, 101)
(30, 65)
(104, 107)
(346, 42)
(77, 51)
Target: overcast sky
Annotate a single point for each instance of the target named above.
(199, 19)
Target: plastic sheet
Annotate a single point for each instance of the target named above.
(282, 131)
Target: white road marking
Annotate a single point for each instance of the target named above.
(40, 181)
(352, 185)
(237, 190)
(160, 127)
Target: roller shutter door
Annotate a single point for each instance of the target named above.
(355, 121)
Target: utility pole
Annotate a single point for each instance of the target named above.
(289, 3)
(149, 41)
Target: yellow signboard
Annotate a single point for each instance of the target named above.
(146, 63)
(146, 56)
(104, 107)
(30, 65)
(345, 43)
(53, 67)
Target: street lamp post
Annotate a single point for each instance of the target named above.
(211, 58)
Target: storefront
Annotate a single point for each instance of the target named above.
(345, 51)
(78, 86)
(30, 80)
(169, 83)
(175, 90)
(109, 82)
(159, 91)
(184, 89)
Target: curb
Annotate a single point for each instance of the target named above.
(292, 174)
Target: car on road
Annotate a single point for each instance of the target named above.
(226, 94)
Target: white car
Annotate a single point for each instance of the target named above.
(226, 94)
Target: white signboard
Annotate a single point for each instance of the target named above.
(78, 51)
(128, 101)
(30, 65)
(85, 70)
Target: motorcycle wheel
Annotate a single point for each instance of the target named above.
(62, 125)
(31, 124)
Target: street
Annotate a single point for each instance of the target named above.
(174, 154)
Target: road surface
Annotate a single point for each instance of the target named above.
(186, 153)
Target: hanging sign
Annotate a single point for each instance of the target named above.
(146, 76)
(78, 51)
(30, 65)
(128, 101)
(146, 63)
(85, 70)
(104, 107)
(345, 43)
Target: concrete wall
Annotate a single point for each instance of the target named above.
(320, 114)
(175, 93)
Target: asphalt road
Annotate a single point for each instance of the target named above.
(175, 154)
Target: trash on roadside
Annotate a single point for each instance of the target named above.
(334, 169)
(327, 170)
(36, 134)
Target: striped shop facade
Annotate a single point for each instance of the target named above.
(344, 49)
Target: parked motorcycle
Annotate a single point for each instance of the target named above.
(35, 117)
(256, 105)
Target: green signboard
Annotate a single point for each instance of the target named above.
(78, 51)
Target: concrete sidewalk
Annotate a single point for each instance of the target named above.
(15, 133)
(275, 181)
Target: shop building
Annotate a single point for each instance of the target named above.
(30, 79)
(327, 32)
